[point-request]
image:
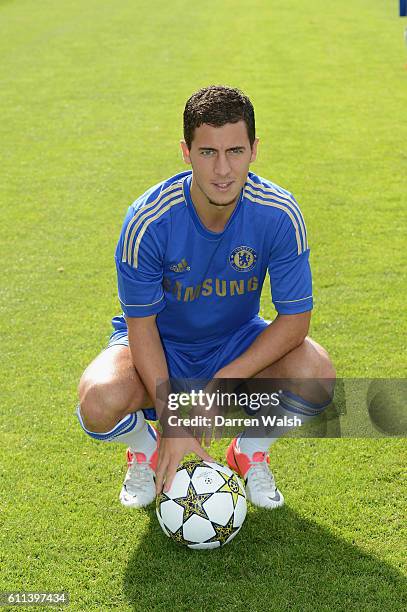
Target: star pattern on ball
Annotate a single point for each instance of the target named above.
(223, 532)
(193, 503)
(178, 536)
(162, 498)
(190, 466)
(231, 486)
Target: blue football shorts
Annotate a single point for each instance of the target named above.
(194, 362)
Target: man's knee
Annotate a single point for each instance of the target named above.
(104, 402)
(98, 400)
(320, 360)
(109, 389)
(317, 373)
(315, 361)
(310, 370)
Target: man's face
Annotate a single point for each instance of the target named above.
(220, 159)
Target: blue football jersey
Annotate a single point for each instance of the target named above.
(203, 285)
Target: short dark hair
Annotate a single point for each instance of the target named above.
(217, 105)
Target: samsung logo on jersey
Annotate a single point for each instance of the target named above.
(211, 286)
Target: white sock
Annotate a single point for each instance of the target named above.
(132, 430)
(143, 440)
(249, 446)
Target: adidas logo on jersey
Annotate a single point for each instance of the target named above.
(180, 267)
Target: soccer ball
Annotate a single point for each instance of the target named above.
(205, 507)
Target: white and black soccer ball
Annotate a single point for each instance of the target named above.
(205, 507)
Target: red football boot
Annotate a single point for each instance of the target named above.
(261, 488)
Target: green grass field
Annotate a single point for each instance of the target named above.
(91, 98)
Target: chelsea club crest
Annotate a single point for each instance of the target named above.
(243, 258)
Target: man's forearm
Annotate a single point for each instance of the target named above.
(150, 362)
(148, 357)
(282, 336)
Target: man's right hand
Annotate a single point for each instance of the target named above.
(170, 454)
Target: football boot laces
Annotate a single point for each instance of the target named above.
(261, 477)
(139, 472)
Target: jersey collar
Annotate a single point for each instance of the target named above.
(195, 217)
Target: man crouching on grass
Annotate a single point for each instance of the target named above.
(191, 261)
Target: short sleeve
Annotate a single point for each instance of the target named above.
(289, 268)
(139, 264)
